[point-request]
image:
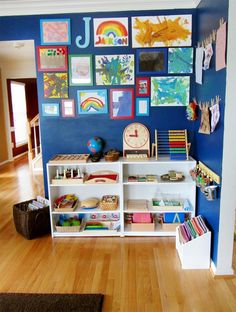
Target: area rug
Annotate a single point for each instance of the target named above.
(26, 302)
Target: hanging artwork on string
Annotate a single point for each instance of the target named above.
(208, 53)
(205, 118)
(198, 65)
(221, 47)
(215, 113)
(191, 110)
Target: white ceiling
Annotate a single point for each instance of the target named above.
(30, 7)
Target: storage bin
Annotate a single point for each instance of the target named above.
(31, 223)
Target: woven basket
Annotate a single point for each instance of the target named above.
(31, 223)
(67, 229)
(109, 205)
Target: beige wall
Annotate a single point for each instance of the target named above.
(3, 136)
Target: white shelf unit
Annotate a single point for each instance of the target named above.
(124, 190)
(162, 190)
(195, 254)
(84, 191)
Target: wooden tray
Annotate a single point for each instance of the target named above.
(102, 177)
(69, 158)
(69, 180)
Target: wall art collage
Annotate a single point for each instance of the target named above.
(156, 73)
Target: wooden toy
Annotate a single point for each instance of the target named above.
(69, 158)
(136, 141)
(102, 177)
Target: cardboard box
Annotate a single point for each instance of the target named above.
(143, 227)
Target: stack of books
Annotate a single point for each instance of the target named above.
(191, 229)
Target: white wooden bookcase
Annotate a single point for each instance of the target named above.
(124, 190)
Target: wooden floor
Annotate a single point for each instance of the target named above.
(134, 274)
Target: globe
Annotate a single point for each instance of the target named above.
(95, 145)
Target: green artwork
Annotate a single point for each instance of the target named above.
(180, 61)
(170, 91)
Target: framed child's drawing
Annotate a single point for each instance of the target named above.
(68, 108)
(122, 103)
(50, 109)
(80, 70)
(151, 61)
(55, 31)
(92, 101)
(53, 58)
(142, 106)
(142, 86)
(55, 85)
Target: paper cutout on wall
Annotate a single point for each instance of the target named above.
(161, 31)
(170, 91)
(198, 65)
(180, 60)
(221, 47)
(110, 32)
(115, 69)
(86, 34)
(55, 85)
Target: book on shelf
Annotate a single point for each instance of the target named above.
(192, 229)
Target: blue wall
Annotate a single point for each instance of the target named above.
(209, 148)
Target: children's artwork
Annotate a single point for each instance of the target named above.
(55, 85)
(198, 64)
(208, 52)
(68, 108)
(142, 86)
(50, 109)
(221, 47)
(151, 61)
(205, 119)
(122, 103)
(191, 110)
(161, 31)
(55, 31)
(170, 91)
(115, 69)
(111, 32)
(142, 106)
(92, 101)
(180, 61)
(52, 58)
(80, 70)
(215, 113)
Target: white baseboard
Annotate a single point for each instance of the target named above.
(220, 272)
(5, 162)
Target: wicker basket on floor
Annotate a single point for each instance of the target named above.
(31, 223)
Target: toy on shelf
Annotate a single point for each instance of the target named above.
(173, 176)
(143, 178)
(90, 203)
(65, 203)
(69, 159)
(167, 204)
(112, 155)
(71, 224)
(109, 202)
(102, 177)
(172, 143)
(69, 176)
(95, 145)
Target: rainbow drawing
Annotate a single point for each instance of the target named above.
(110, 32)
(92, 101)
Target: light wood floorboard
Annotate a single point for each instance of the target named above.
(135, 274)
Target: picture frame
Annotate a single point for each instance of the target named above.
(80, 70)
(55, 85)
(55, 31)
(142, 106)
(52, 58)
(68, 108)
(122, 103)
(170, 91)
(142, 86)
(50, 109)
(151, 61)
(116, 69)
(92, 101)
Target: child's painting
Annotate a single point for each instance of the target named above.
(52, 58)
(115, 69)
(180, 61)
(55, 85)
(50, 109)
(170, 91)
(92, 101)
(161, 31)
(80, 70)
(111, 32)
(55, 31)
